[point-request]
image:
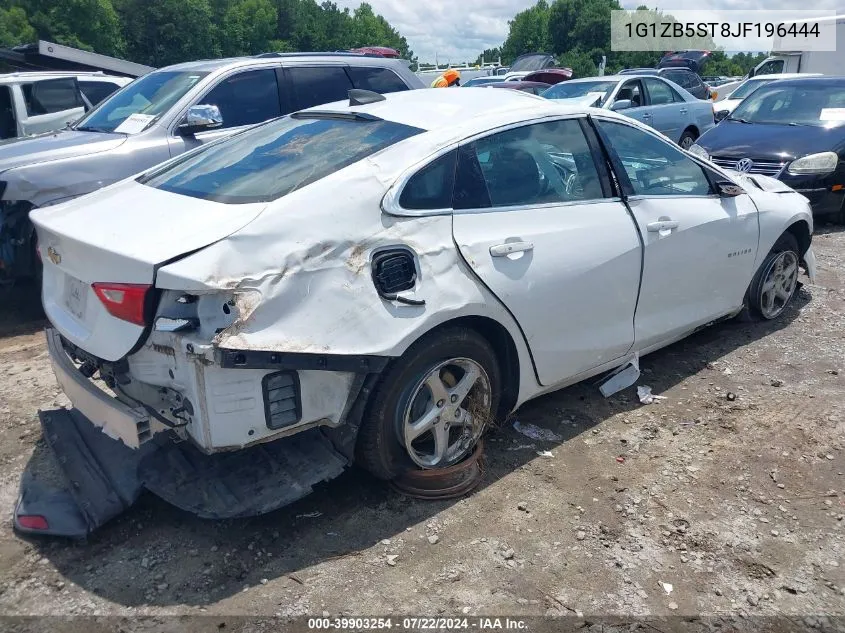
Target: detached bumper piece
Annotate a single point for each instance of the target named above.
(100, 476)
(96, 478)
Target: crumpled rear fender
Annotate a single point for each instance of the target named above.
(302, 278)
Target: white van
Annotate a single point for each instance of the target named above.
(823, 62)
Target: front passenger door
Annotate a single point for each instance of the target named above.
(640, 110)
(699, 247)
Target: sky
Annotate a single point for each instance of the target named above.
(459, 31)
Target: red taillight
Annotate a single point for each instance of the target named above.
(32, 522)
(124, 301)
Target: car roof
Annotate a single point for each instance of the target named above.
(784, 76)
(822, 82)
(20, 77)
(270, 59)
(465, 111)
(520, 84)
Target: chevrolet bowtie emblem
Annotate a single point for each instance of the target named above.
(54, 256)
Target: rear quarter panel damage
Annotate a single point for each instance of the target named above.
(302, 278)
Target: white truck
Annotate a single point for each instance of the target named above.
(784, 62)
(824, 62)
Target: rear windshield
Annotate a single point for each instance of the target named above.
(571, 90)
(274, 159)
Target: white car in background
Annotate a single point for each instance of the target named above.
(723, 108)
(376, 281)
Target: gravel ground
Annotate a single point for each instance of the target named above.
(724, 499)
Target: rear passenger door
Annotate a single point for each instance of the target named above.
(668, 108)
(311, 86)
(536, 219)
(633, 90)
(381, 80)
(49, 104)
(244, 98)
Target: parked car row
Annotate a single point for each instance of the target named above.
(372, 280)
(38, 102)
(650, 99)
(162, 115)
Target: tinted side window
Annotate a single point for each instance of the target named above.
(695, 81)
(654, 167)
(537, 164)
(246, 98)
(51, 95)
(8, 128)
(318, 85)
(431, 187)
(96, 91)
(771, 68)
(379, 80)
(660, 92)
(678, 77)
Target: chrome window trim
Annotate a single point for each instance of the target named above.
(390, 203)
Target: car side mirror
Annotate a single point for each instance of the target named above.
(622, 104)
(728, 189)
(199, 119)
(720, 115)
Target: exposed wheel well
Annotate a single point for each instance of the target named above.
(801, 231)
(505, 349)
(693, 129)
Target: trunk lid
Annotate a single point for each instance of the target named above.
(121, 234)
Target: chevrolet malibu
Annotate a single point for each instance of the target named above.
(375, 281)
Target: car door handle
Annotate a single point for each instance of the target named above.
(662, 225)
(646, 115)
(683, 110)
(503, 250)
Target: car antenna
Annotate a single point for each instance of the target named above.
(359, 97)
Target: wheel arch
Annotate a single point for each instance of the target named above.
(503, 345)
(692, 128)
(801, 230)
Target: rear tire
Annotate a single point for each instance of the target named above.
(687, 139)
(774, 284)
(432, 405)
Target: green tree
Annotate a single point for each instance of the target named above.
(88, 24)
(15, 27)
(248, 28)
(162, 32)
(489, 55)
(529, 32)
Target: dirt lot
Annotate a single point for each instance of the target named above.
(736, 502)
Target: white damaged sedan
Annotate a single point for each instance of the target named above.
(375, 281)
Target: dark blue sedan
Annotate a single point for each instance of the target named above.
(792, 130)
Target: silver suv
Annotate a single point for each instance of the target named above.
(163, 114)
